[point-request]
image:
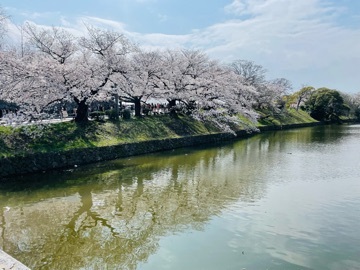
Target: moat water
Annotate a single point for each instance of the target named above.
(279, 200)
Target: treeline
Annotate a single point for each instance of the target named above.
(326, 105)
(51, 67)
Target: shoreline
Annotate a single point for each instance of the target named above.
(40, 162)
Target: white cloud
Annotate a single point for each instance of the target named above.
(299, 39)
(237, 7)
(104, 23)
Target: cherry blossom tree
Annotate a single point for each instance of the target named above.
(224, 98)
(15, 79)
(137, 82)
(56, 61)
(82, 67)
(253, 74)
(60, 68)
(3, 60)
(108, 51)
(201, 87)
(25, 81)
(183, 78)
(269, 92)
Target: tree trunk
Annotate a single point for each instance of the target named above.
(137, 102)
(171, 105)
(298, 103)
(81, 111)
(116, 106)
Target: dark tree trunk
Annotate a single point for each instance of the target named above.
(81, 111)
(171, 106)
(298, 104)
(172, 103)
(137, 102)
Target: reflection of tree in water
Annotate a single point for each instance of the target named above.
(115, 219)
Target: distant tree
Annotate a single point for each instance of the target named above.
(269, 92)
(300, 97)
(252, 73)
(353, 102)
(357, 106)
(325, 105)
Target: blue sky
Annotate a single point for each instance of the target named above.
(309, 42)
(143, 16)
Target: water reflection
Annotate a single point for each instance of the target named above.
(113, 215)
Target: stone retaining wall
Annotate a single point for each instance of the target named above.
(48, 161)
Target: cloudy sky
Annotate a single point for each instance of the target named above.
(309, 42)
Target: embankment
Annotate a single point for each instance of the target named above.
(38, 162)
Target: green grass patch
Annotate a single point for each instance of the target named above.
(5, 130)
(288, 117)
(69, 135)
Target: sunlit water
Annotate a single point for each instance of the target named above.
(280, 200)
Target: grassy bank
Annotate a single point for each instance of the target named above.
(69, 135)
(289, 117)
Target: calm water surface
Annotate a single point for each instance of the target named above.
(280, 200)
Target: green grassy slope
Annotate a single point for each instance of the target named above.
(69, 135)
(291, 116)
